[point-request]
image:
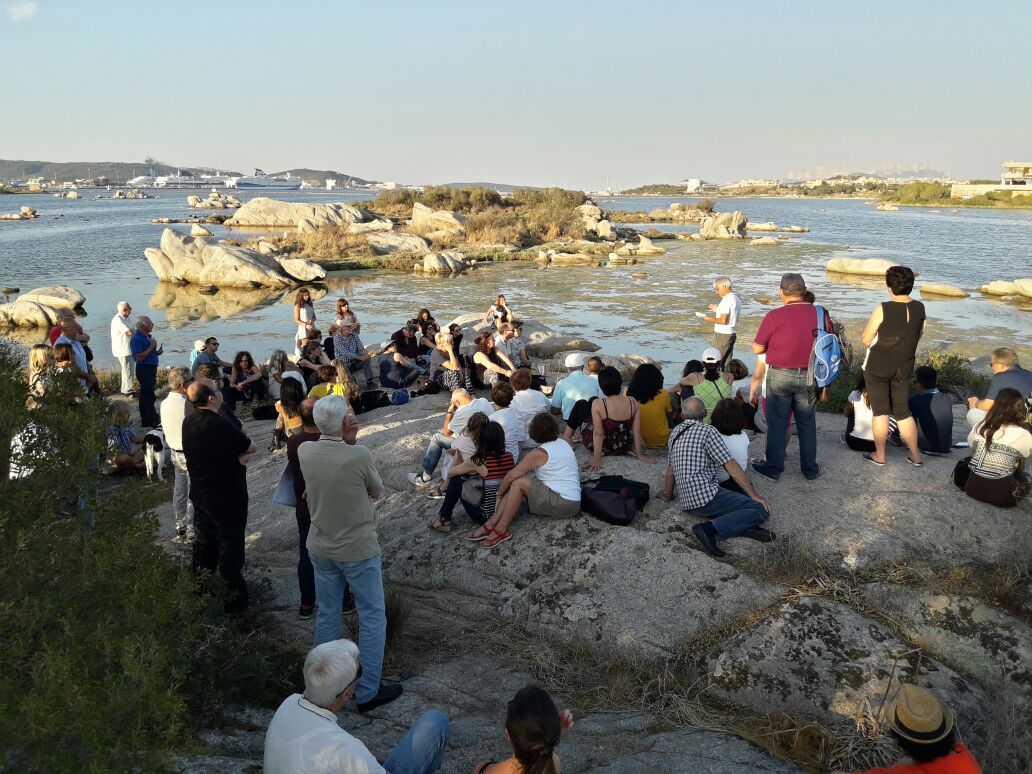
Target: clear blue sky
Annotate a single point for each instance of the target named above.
(578, 94)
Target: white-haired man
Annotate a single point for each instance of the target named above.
(304, 735)
(341, 483)
(145, 349)
(121, 332)
(724, 319)
(173, 410)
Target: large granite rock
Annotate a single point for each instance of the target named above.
(449, 262)
(680, 212)
(943, 289)
(183, 258)
(1001, 288)
(261, 211)
(57, 296)
(768, 226)
(214, 201)
(868, 267)
(644, 247)
(26, 314)
(426, 220)
(385, 242)
(540, 340)
(1024, 287)
(726, 225)
(301, 269)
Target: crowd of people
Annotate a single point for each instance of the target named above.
(506, 446)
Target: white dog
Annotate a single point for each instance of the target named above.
(155, 453)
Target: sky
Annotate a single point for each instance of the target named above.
(578, 94)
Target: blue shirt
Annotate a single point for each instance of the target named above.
(933, 413)
(577, 386)
(139, 343)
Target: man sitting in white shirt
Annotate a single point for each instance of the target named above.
(304, 734)
(527, 402)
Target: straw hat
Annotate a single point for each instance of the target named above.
(918, 716)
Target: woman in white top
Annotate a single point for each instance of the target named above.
(859, 435)
(1000, 443)
(555, 492)
(500, 312)
(304, 318)
(729, 421)
(527, 402)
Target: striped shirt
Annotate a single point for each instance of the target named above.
(497, 468)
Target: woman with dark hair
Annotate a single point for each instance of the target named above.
(312, 356)
(646, 387)
(891, 336)
(489, 364)
(491, 462)
(999, 445)
(288, 412)
(428, 329)
(729, 421)
(445, 366)
(613, 426)
(691, 375)
(245, 381)
(499, 312)
(345, 316)
(533, 727)
(304, 318)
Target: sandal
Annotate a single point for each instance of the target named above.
(915, 464)
(480, 533)
(495, 538)
(869, 458)
(440, 525)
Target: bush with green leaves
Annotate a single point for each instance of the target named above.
(109, 660)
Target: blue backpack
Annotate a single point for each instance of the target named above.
(826, 359)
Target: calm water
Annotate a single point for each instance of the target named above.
(97, 246)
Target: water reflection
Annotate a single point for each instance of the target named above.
(184, 304)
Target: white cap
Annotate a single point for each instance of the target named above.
(198, 345)
(575, 360)
(711, 355)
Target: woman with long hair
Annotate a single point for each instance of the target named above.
(489, 364)
(41, 370)
(891, 336)
(491, 462)
(445, 366)
(999, 445)
(288, 411)
(304, 318)
(614, 425)
(245, 381)
(345, 316)
(499, 312)
(312, 356)
(646, 387)
(533, 728)
(428, 329)
(280, 368)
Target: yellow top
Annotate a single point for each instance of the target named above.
(655, 429)
(326, 388)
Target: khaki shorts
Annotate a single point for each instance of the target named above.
(542, 501)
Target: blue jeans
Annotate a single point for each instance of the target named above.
(733, 512)
(453, 496)
(366, 583)
(787, 391)
(438, 443)
(421, 750)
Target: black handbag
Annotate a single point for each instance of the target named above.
(473, 490)
(616, 508)
(637, 489)
(961, 472)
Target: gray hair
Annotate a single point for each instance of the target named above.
(143, 320)
(329, 668)
(122, 305)
(177, 377)
(329, 414)
(722, 282)
(443, 339)
(693, 408)
(276, 358)
(461, 396)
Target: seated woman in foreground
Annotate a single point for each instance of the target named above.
(999, 446)
(555, 492)
(859, 435)
(614, 424)
(492, 463)
(729, 421)
(533, 727)
(646, 387)
(245, 381)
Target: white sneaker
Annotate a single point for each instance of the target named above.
(420, 480)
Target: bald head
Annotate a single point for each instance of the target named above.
(305, 412)
(143, 323)
(203, 394)
(460, 397)
(693, 408)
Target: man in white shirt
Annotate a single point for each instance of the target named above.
(506, 416)
(506, 342)
(724, 319)
(461, 408)
(304, 735)
(174, 409)
(121, 332)
(527, 403)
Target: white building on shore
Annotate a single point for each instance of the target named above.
(1016, 179)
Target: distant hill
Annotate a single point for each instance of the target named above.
(115, 171)
(321, 175)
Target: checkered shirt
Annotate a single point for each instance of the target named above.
(347, 348)
(696, 451)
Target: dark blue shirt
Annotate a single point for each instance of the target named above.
(138, 344)
(933, 413)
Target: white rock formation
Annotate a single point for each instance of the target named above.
(943, 289)
(644, 247)
(869, 267)
(768, 226)
(214, 201)
(384, 242)
(426, 221)
(450, 262)
(197, 230)
(261, 211)
(56, 296)
(726, 225)
(764, 241)
(26, 314)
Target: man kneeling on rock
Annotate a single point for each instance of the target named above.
(304, 734)
(696, 452)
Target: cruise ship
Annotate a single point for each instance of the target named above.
(263, 182)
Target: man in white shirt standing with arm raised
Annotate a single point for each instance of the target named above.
(724, 319)
(121, 332)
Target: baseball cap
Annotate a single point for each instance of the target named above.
(575, 360)
(711, 355)
(198, 345)
(793, 283)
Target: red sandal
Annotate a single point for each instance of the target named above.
(495, 538)
(477, 534)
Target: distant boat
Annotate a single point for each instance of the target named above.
(263, 182)
(186, 180)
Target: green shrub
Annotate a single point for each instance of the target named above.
(109, 661)
(956, 376)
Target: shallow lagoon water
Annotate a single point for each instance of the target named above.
(97, 246)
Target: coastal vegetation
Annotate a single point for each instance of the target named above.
(656, 189)
(109, 659)
(925, 194)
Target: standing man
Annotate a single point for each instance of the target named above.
(146, 349)
(305, 573)
(724, 319)
(216, 453)
(341, 483)
(174, 409)
(121, 332)
(786, 338)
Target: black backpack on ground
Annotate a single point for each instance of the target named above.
(614, 499)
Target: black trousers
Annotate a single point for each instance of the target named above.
(147, 376)
(579, 414)
(219, 546)
(232, 395)
(305, 571)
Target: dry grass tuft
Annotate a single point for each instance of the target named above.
(330, 243)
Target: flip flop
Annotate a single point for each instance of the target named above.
(869, 458)
(915, 464)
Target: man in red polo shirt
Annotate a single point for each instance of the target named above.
(786, 336)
